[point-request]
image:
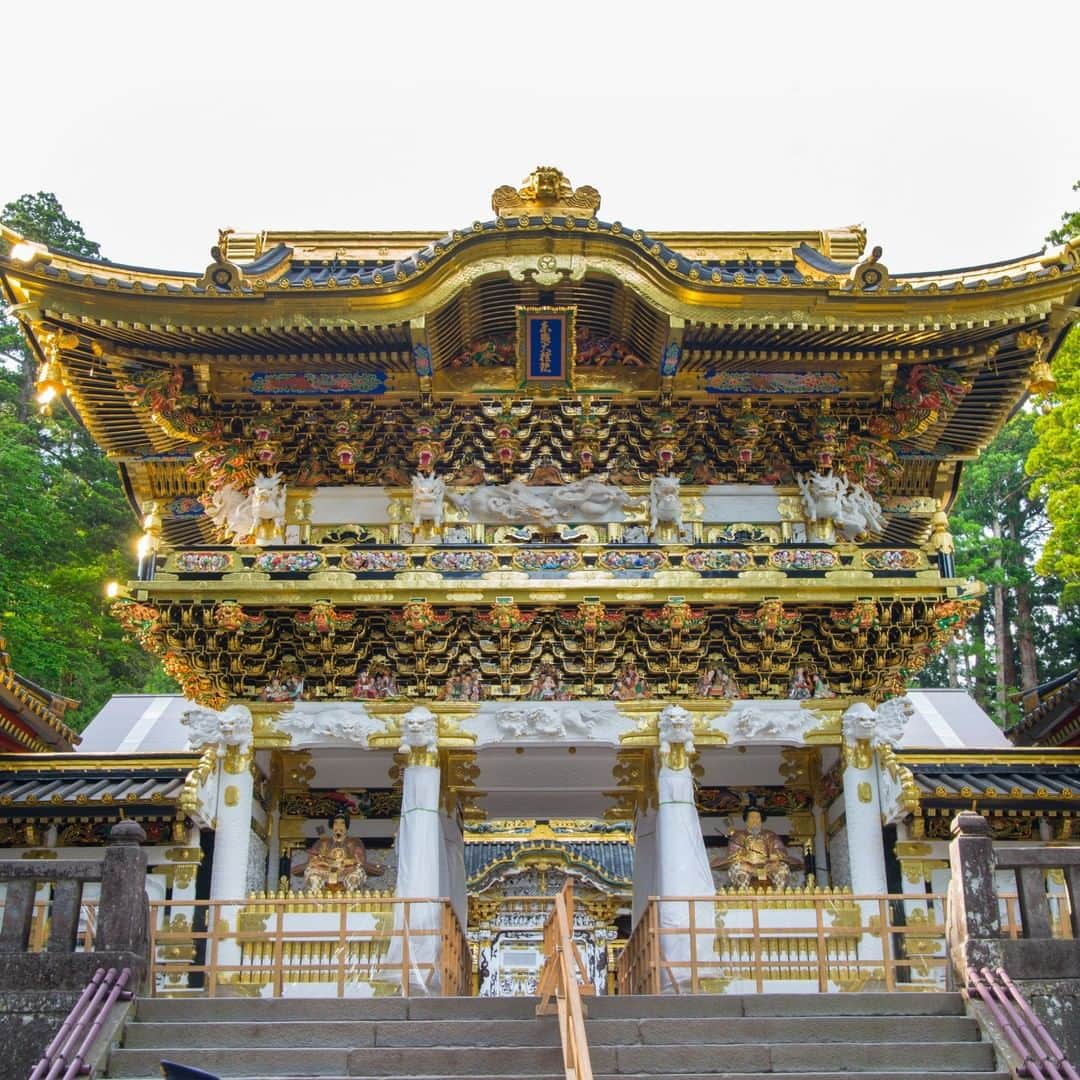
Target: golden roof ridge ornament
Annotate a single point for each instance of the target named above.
(545, 190)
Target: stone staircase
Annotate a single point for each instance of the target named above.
(803, 1036)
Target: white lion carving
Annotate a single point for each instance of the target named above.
(886, 725)
(859, 513)
(763, 724)
(665, 506)
(585, 500)
(892, 718)
(419, 731)
(676, 725)
(268, 502)
(555, 722)
(232, 727)
(238, 513)
(859, 723)
(230, 509)
(312, 722)
(427, 499)
(821, 493)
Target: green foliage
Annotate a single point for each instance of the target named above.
(1070, 224)
(66, 524)
(40, 217)
(1054, 463)
(1055, 460)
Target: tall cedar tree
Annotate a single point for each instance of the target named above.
(66, 524)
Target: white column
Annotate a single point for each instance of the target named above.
(644, 863)
(862, 817)
(231, 732)
(862, 812)
(419, 844)
(682, 869)
(232, 838)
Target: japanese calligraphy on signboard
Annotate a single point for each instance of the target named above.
(545, 346)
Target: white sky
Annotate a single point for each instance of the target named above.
(949, 128)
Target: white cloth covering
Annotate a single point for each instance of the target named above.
(682, 869)
(421, 854)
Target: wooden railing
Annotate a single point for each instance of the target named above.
(560, 990)
(804, 942)
(308, 946)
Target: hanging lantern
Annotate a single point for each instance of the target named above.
(50, 383)
(1041, 379)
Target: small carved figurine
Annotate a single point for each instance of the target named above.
(665, 506)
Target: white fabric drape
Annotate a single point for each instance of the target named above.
(682, 869)
(420, 853)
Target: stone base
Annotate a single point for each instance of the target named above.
(29, 1018)
(1056, 1002)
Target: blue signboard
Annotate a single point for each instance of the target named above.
(545, 345)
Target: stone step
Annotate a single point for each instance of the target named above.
(922, 1074)
(184, 1010)
(652, 1076)
(677, 1060)
(543, 1031)
(601, 1007)
(652, 1060)
(350, 1034)
(687, 1005)
(774, 1029)
(526, 1062)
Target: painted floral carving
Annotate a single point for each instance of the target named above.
(375, 562)
(461, 562)
(203, 562)
(288, 562)
(632, 560)
(803, 559)
(892, 559)
(534, 559)
(704, 561)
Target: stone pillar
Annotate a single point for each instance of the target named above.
(682, 865)
(973, 925)
(123, 910)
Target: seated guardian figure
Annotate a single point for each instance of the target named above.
(756, 856)
(338, 861)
